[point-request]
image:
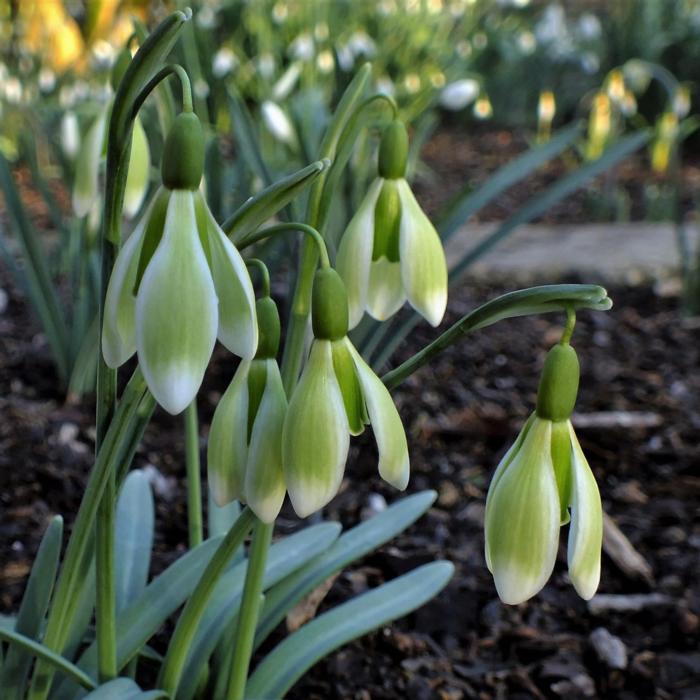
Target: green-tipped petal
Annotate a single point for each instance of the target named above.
(350, 387)
(264, 477)
(522, 524)
(86, 186)
(586, 529)
(385, 293)
(355, 253)
(500, 471)
(176, 310)
(316, 434)
(238, 327)
(119, 326)
(394, 466)
(227, 451)
(423, 264)
(139, 168)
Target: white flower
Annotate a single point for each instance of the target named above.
(395, 258)
(168, 302)
(277, 122)
(459, 94)
(224, 62)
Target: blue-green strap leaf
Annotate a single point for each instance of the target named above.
(290, 659)
(351, 546)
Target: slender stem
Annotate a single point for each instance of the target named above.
(249, 610)
(106, 590)
(375, 98)
(186, 629)
(194, 476)
(570, 324)
(290, 226)
(166, 71)
(261, 267)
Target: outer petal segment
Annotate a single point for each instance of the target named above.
(423, 265)
(176, 310)
(586, 529)
(522, 523)
(355, 253)
(316, 434)
(227, 452)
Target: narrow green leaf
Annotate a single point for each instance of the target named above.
(133, 538)
(264, 205)
(30, 617)
(43, 295)
(284, 557)
(49, 657)
(351, 546)
(469, 201)
(124, 689)
(247, 139)
(290, 659)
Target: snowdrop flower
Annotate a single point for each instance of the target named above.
(459, 94)
(178, 283)
(244, 458)
(277, 122)
(224, 62)
(70, 134)
(390, 252)
(287, 82)
(337, 396)
(541, 478)
(302, 47)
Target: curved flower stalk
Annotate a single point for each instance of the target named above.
(86, 189)
(244, 457)
(390, 252)
(543, 481)
(178, 282)
(337, 396)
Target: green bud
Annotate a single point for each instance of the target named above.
(387, 223)
(183, 153)
(329, 305)
(393, 151)
(556, 396)
(119, 68)
(268, 328)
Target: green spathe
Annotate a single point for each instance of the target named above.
(329, 305)
(556, 396)
(393, 151)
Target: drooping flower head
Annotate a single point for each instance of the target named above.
(178, 282)
(244, 458)
(542, 482)
(390, 252)
(337, 396)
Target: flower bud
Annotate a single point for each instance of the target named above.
(556, 396)
(393, 151)
(268, 328)
(183, 153)
(329, 305)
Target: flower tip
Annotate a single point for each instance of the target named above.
(177, 392)
(513, 587)
(305, 503)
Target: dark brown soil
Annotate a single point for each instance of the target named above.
(461, 414)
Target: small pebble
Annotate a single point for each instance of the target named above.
(611, 650)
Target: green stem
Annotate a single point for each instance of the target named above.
(261, 267)
(570, 324)
(194, 477)
(115, 449)
(524, 302)
(152, 84)
(290, 226)
(106, 590)
(186, 629)
(249, 610)
(301, 300)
